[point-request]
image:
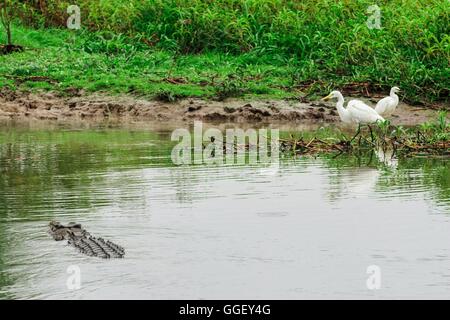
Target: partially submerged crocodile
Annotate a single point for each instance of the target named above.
(83, 241)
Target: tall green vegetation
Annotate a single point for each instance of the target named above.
(323, 42)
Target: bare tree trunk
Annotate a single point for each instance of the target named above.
(6, 21)
(8, 34)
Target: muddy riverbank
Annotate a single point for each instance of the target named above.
(26, 106)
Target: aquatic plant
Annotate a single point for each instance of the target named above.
(429, 139)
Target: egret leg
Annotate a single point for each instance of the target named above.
(371, 157)
(357, 133)
(371, 133)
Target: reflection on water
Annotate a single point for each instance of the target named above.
(308, 230)
(387, 157)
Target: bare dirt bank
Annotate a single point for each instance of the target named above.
(25, 106)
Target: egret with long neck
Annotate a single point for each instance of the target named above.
(356, 111)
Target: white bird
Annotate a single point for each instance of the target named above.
(356, 111)
(386, 106)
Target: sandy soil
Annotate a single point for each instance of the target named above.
(23, 106)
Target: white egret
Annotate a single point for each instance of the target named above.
(356, 111)
(386, 106)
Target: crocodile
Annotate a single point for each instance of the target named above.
(84, 241)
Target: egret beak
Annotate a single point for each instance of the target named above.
(328, 97)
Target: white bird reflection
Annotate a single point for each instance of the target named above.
(387, 157)
(353, 182)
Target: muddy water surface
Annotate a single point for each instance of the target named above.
(310, 229)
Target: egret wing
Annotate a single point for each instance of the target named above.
(362, 113)
(386, 106)
(382, 105)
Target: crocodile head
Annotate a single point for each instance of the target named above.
(60, 232)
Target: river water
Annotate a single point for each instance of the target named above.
(314, 228)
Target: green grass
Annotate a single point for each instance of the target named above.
(234, 48)
(62, 57)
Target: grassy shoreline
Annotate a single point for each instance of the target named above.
(296, 56)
